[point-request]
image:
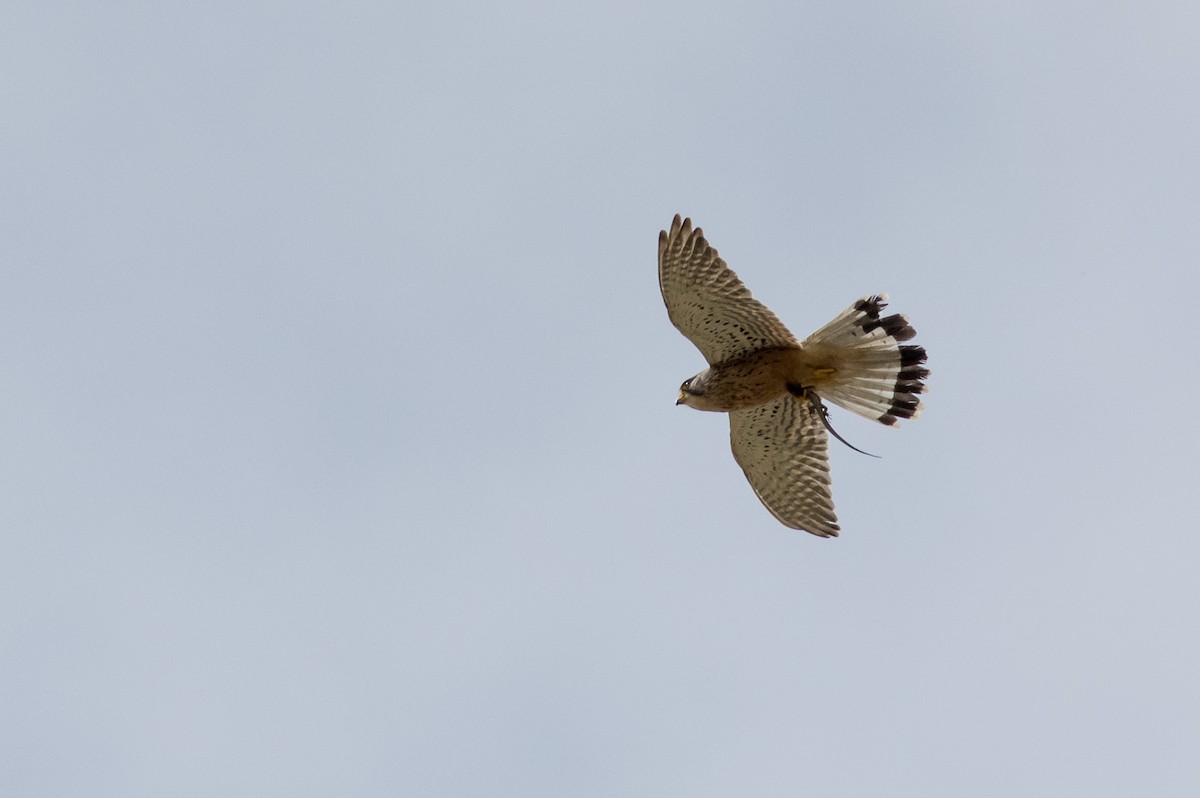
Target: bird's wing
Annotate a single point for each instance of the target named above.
(707, 301)
(782, 448)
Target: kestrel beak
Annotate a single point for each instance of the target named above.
(679, 401)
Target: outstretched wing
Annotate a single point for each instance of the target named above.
(782, 448)
(707, 301)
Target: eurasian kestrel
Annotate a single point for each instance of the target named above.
(772, 386)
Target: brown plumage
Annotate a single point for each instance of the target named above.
(773, 386)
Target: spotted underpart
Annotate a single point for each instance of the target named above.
(773, 387)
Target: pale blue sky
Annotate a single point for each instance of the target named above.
(338, 437)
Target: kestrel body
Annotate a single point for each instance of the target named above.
(772, 385)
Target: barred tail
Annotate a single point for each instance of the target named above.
(872, 373)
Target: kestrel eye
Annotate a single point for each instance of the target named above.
(775, 439)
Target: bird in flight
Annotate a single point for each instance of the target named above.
(774, 387)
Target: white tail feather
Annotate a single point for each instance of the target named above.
(874, 375)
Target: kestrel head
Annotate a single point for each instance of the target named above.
(691, 393)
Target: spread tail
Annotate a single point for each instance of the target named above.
(872, 373)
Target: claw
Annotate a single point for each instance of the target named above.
(824, 413)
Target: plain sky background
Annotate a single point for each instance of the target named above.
(338, 440)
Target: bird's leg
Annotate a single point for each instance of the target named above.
(800, 392)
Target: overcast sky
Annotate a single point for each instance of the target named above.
(338, 441)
